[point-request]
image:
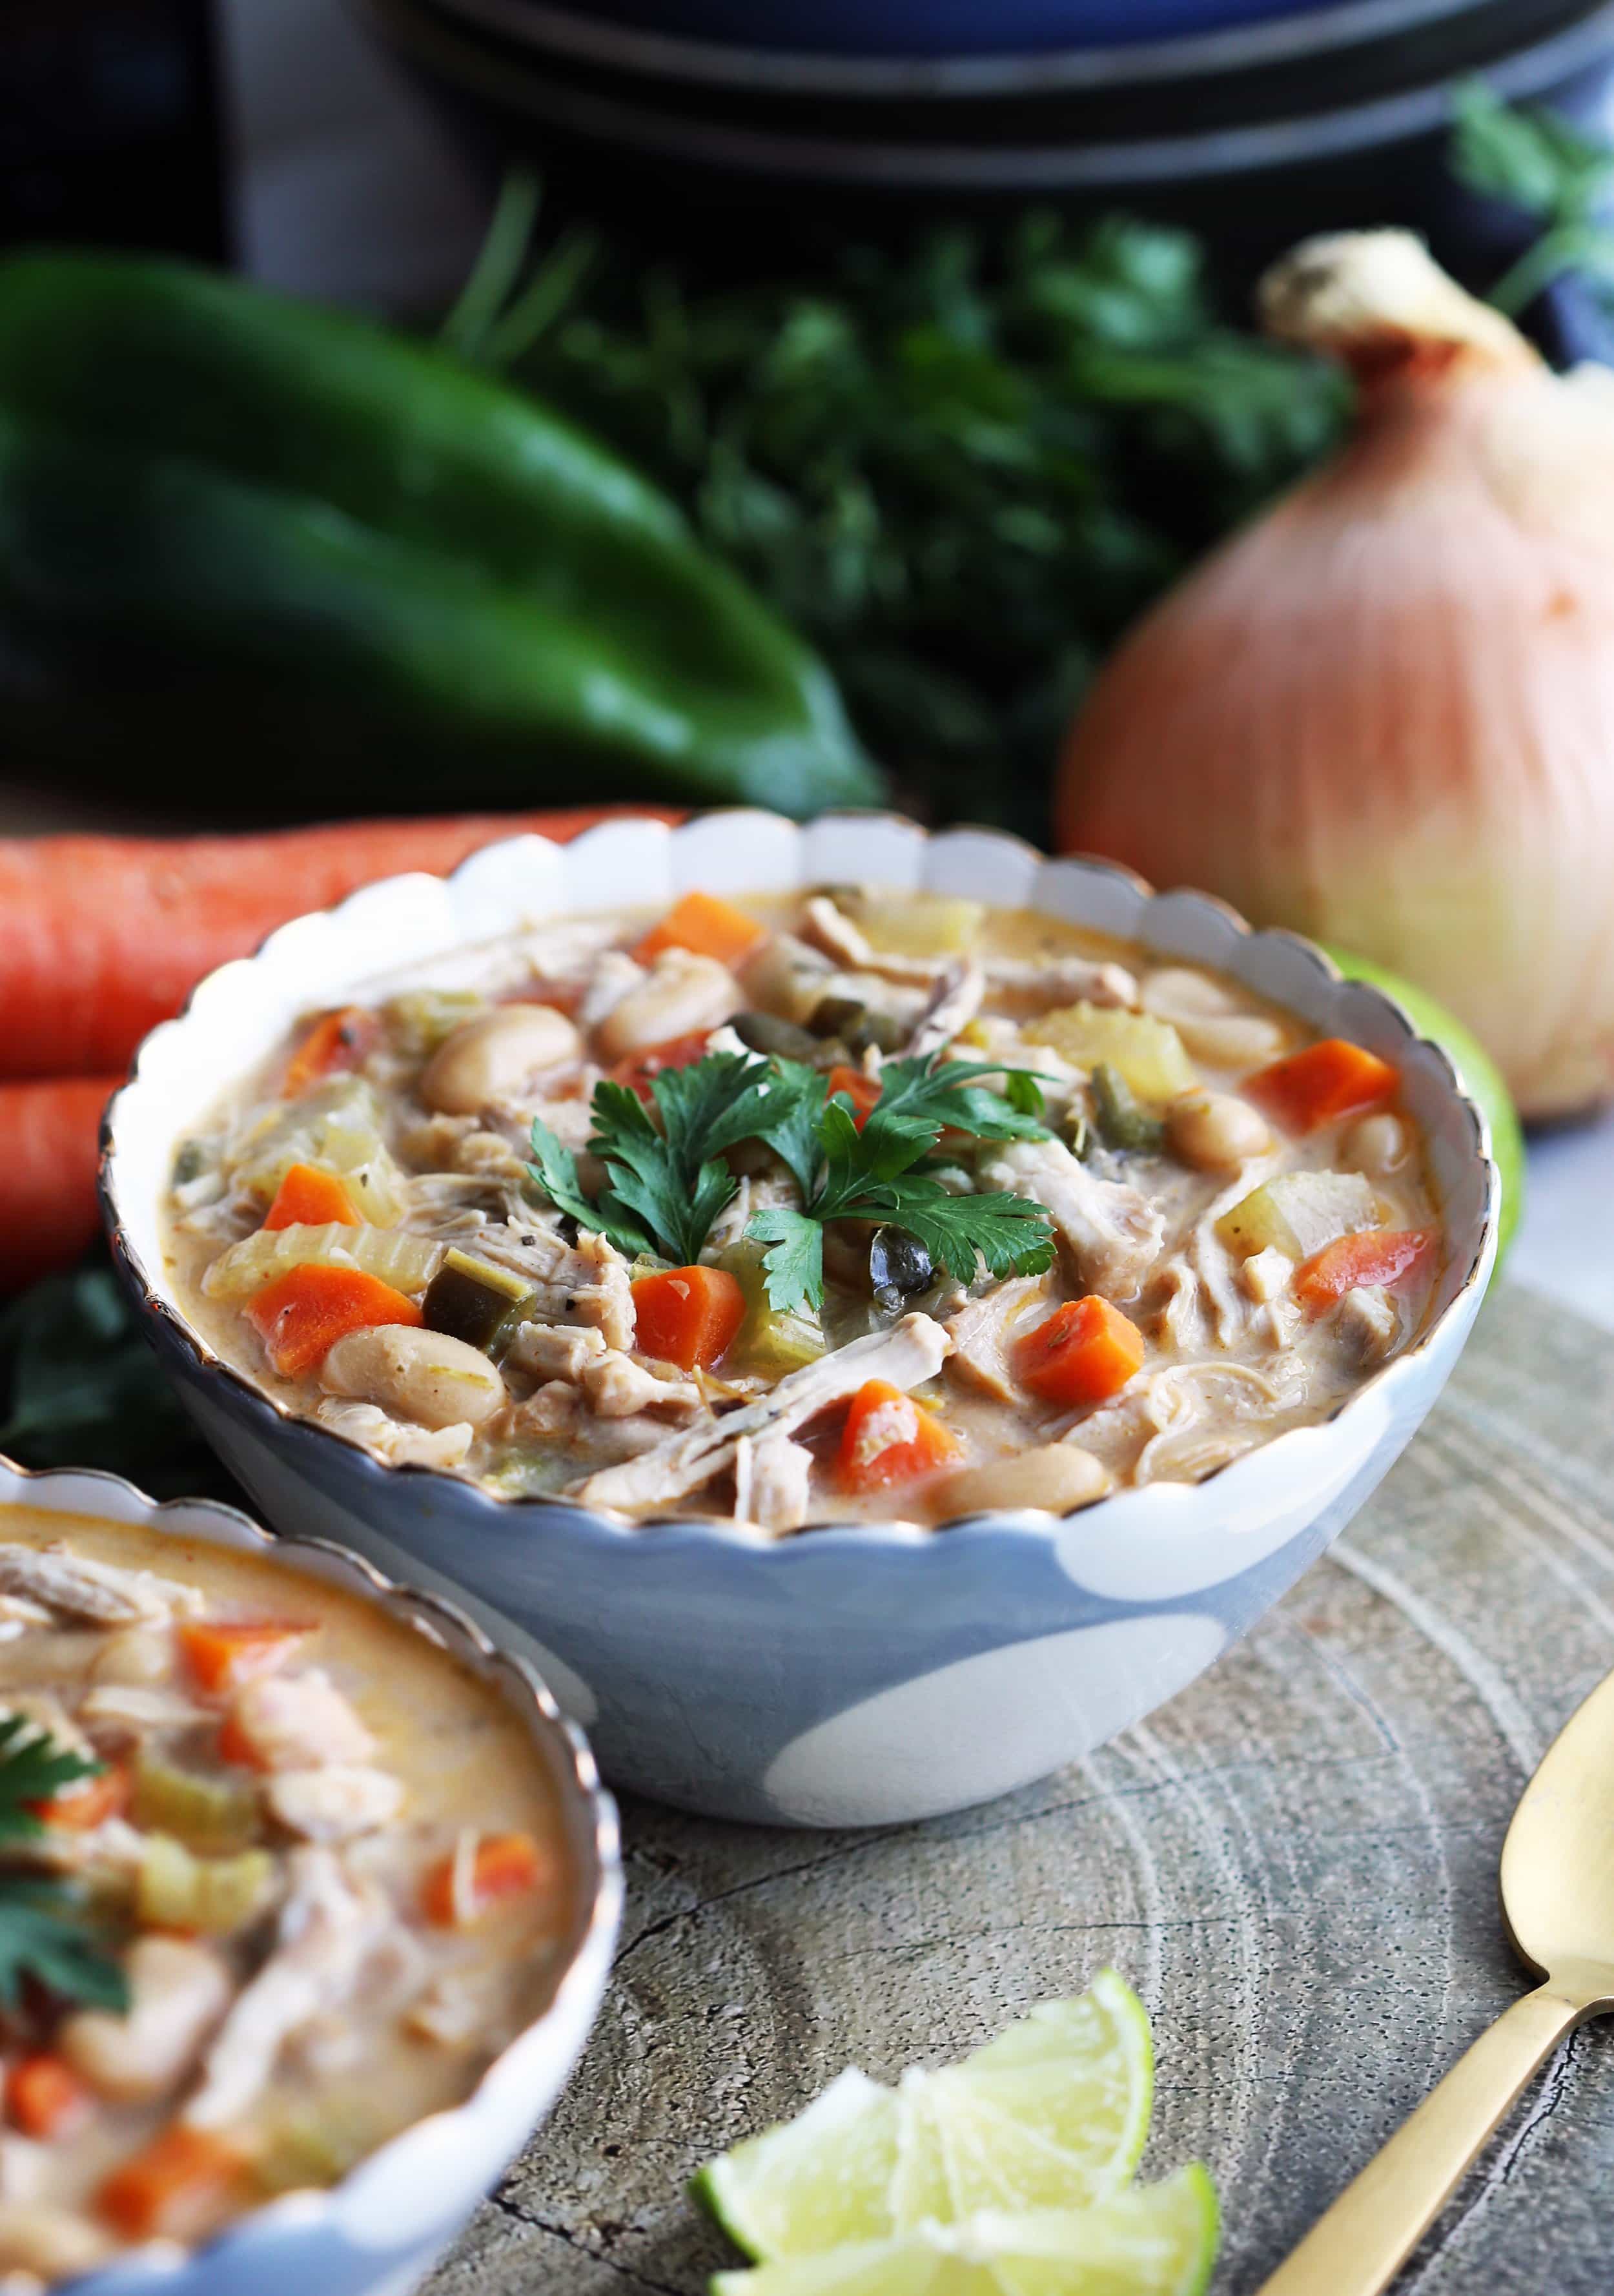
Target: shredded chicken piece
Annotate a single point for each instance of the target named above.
(954, 1003)
(980, 1335)
(826, 927)
(1369, 1321)
(1061, 980)
(911, 1352)
(178, 1990)
(455, 2006)
(71, 1587)
(618, 1387)
(140, 1707)
(756, 1192)
(556, 1350)
(1266, 1274)
(1177, 1405)
(24, 2166)
(552, 1410)
(1181, 1323)
(1112, 1233)
(327, 1930)
(586, 1284)
(778, 1482)
(299, 1721)
(394, 1442)
(461, 1147)
(615, 976)
(17, 1615)
(334, 1802)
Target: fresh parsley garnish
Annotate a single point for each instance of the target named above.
(667, 1182)
(44, 1939)
(33, 1768)
(845, 1174)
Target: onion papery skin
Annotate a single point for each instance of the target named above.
(1383, 714)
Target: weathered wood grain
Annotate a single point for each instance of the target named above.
(1294, 1863)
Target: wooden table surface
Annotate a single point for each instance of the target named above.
(1294, 1862)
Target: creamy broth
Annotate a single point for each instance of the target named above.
(306, 1815)
(1241, 1219)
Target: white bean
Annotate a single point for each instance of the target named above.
(684, 995)
(1209, 1018)
(1057, 1476)
(1376, 1145)
(425, 1376)
(491, 1058)
(177, 1992)
(1215, 1131)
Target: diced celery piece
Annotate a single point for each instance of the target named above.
(1298, 1212)
(1148, 1054)
(407, 1262)
(203, 1813)
(313, 2146)
(422, 1019)
(769, 1343)
(922, 924)
(214, 1896)
(337, 1125)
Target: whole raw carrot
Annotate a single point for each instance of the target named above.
(49, 1141)
(102, 937)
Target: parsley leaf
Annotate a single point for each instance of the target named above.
(1537, 160)
(873, 1174)
(555, 1171)
(44, 1941)
(795, 1258)
(666, 1182)
(33, 1768)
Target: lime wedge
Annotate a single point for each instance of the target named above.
(1156, 2240)
(1052, 2114)
(812, 2181)
(1480, 1076)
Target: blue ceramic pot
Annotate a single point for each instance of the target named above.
(938, 27)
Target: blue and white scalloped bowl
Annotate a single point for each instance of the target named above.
(861, 1674)
(382, 2227)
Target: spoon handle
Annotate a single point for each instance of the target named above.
(1377, 2220)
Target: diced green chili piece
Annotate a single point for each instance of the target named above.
(474, 1300)
(1122, 1121)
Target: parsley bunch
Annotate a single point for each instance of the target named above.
(42, 1941)
(666, 1182)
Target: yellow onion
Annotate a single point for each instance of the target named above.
(1383, 713)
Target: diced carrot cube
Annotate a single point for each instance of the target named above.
(222, 1655)
(43, 2096)
(890, 1439)
(687, 1315)
(181, 2187)
(87, 1802)
(309, 1198)
(1084, 1351)
(862, 1090)
(300, 1317)
(1384, 1256)
(501, 1866)
(707, 927)
(334, 1044)
(1327, 1080)
(637, 1069)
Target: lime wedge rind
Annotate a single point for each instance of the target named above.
(812, 2181)
(1154, 2240)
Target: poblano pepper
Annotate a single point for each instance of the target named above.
(251, 549)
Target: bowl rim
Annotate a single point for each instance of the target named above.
(283, 1424)
(436, 41)
(1309, 30)
(444, 1623)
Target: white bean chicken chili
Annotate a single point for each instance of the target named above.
(854, 1204)
(278, 1876)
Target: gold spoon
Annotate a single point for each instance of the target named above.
(1558, 1905)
